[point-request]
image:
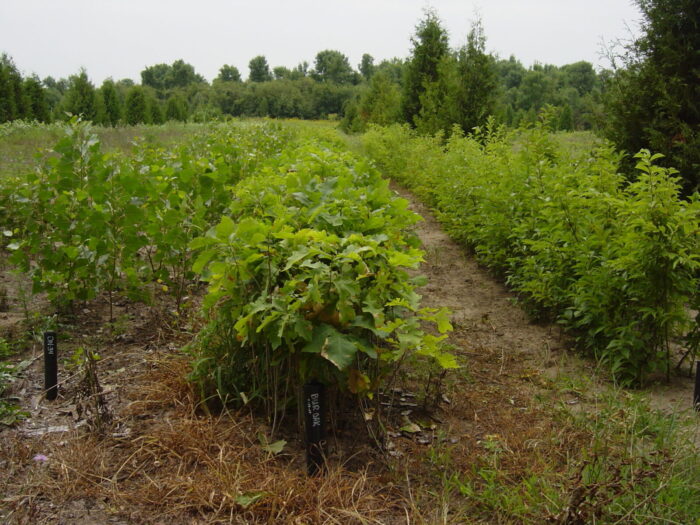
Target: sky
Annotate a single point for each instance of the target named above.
(119, 38)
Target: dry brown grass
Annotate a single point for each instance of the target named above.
(183, 467)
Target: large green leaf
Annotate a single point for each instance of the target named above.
(338, 348)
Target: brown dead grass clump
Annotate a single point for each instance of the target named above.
(174, 464)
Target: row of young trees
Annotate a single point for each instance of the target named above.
(20, 98)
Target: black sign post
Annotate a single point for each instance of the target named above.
(314, 417)
(696, 394)
(50, 366)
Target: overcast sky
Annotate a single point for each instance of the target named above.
(118, 38)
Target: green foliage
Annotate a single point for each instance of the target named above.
(37, 107)
(652, 101)
(615, 264)
(333, 66)
(525, 91)
(367, 67)
(111, 102)
(120, 223)
(475, 95)
(155, 114)
(162, 77)
(136, 107)
(430, 45)
(79, 99)
(304, 248)
(229, 73)
(8, 102)
(307, 276)
(464, 92)
(259, 70)
(380, 104)
(176, 109)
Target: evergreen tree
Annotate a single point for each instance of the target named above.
(80, 96)
(566, 119)
(38, 107)
(439, 105)
(135, 107)
(380, 104)
(175, 109)
(8, 108)
(430, 45)
(653, 101)
(476, 89)
(111, 103)
(154, 110)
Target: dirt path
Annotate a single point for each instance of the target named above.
(515, 372)
(482, 307)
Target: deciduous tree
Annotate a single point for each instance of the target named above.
(259, 69)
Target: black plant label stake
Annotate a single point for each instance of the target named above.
(696, 394)
(314, 412)
(50, 366)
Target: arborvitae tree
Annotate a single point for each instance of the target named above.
(8, 108)
(135, 107)
(439, 107)
(430, 45)
(175, 108)
(566, 119)
(229, 74)
(38, 107)
(154, 110)
(381, 104)
(259, 69)
(476, 90)
(80, 96)
(367, 66)
(111, 103)
(653, 102)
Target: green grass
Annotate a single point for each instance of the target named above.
(23, 145)
(617, 462)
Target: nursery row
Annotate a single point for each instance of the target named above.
(616, 262)
(304, 247)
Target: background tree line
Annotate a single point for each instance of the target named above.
(648, 99)
(370, 93)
